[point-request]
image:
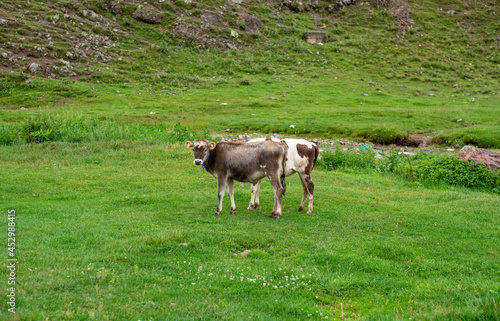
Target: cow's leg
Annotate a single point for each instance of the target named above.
(230, 191)
(278, 197)
(304, 193)
(308, 186)
(221, 186)
(257, 191)
(254, 199)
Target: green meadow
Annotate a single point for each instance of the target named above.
(109, 219)
(123, 230)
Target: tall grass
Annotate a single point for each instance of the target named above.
(74, 128)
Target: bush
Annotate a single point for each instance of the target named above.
(451, 170)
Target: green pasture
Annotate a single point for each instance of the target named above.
(123, 230)
(114, 222)
(332, 105)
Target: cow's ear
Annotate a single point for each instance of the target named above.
(189, 144)
(212, 145)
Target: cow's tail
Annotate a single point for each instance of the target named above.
(283, 167)
(316, 155)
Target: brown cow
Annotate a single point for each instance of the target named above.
(244, 162)
(301, 158)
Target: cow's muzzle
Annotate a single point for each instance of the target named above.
(198, 162)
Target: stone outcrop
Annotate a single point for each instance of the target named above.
(210, 18)
(252, 23)
(147, 16)
(115, 8)
(480, 155)
(308, 5)
(416, 140)
(313, 37)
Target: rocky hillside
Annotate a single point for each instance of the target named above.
(80, 39)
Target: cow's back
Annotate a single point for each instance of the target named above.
(247, 162)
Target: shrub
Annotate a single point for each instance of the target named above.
(38, 130)
(449, 169)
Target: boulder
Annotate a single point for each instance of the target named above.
(114, 8)
(3, 21)
(480, 155)
(210, 18)
(146, 16)
(313, 37)
(252, 23)
(34, 68)
(418, 140)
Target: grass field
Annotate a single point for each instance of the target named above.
(123, 230)
(114, 222)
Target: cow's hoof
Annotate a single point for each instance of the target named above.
(249, 208)
(300, 209)
(216, 214)
(233, 212)
(309, 212)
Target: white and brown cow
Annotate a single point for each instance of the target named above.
(301, 158)
(244, 162)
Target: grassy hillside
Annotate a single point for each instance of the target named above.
(439, 78)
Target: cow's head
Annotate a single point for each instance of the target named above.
(201, 150)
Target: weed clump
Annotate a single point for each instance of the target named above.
(75, 129)
(348, 158)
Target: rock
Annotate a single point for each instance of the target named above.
(3, 21)
(295, 6)
(252, 23)
(114, 8)
(34, 68)
(245, 253)
(194, 33)
(401, 10)
(313, 37)
(146, 16)
(480, 155)
(418, 140)
(210, 18)
(235, 1)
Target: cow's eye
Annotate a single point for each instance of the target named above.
(206, 149)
